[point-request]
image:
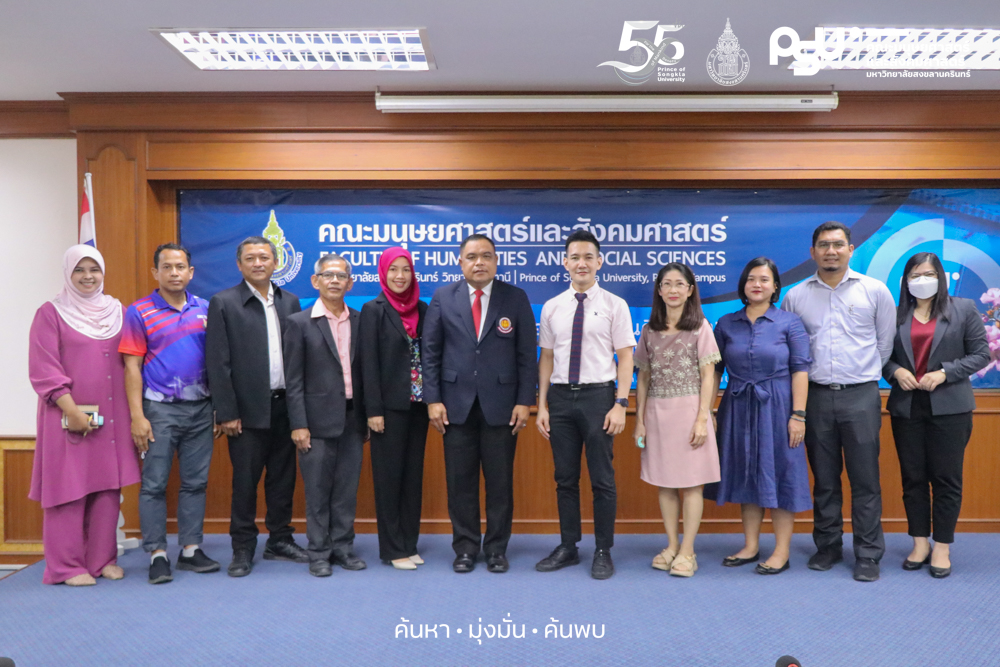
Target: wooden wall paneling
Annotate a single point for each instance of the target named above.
(20, 518)
(334, 112)
(636, 156)
(33, 120)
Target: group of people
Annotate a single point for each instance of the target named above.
(172, 372)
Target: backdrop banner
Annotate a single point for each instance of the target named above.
(715, 232)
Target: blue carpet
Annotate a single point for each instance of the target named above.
(282, 616)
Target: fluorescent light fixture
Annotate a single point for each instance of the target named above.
(600, 103)
(318, 50)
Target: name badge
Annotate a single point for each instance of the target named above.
(504, 325)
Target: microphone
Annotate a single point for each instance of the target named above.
(783, 661)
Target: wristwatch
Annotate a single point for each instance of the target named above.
(622, 402)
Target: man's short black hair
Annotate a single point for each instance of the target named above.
(476, 237)
(582, 236)
(832, 226)
(256, 240)
(169, 246)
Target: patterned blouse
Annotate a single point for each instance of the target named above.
(416, 372)
(675, 360)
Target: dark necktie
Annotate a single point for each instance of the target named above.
(477, 311)
(576, 346)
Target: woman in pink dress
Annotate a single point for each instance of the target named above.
(79, 470)
(676, 357)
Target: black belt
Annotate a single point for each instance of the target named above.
(277, 393)
(837, 387)
(591, 385)
(350, 404)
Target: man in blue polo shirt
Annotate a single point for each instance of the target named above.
(163, 345)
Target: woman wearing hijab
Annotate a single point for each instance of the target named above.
(80, 464)
(391, 326)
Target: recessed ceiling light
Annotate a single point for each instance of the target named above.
(389, 50)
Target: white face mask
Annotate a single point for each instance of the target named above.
(923, 287)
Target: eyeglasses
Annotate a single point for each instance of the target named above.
(330, 276)
(669, 285)
(836, 245)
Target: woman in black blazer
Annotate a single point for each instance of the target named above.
(940, 341)
(391, 326)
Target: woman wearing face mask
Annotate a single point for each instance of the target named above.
(940, 341)
(391, 325)
(80, 466)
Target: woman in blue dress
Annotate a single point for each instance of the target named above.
(761, 420)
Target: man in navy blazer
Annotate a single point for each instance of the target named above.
(326, 414)
(480, 374)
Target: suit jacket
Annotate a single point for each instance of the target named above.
(317, 398)
(236, 353)
(385, 356)
(959, 348)
(501, 368)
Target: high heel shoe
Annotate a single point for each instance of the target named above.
(911, 565)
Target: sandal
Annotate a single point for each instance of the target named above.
(113, 572)
(684, 566)
(663, 560)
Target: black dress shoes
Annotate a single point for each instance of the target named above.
(733, 561)
(561, 557)
(348, 561)
(911, 565)
(497, 563)
(242, 563)
(320, 568)
(866, 569)
(285, 550)
(464, 563)
(603, 567)
(824, 559)
(763, 568)
(940, 572)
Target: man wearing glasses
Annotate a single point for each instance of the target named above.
(325, 411)
(851, 321)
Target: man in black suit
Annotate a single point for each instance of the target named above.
(326, 412)
(247, 380)
(479, 381)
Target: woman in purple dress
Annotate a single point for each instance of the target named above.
(79, 469)
(761, 419)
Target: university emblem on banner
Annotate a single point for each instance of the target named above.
(288, 262)
(727, 63)
(504, 325)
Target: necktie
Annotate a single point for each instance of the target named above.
(477, 311)
(577, 344)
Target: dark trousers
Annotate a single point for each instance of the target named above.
(843, 429)
(251, 452)
(931, 452)
(398, 476)
(576, 417)
(331, 470)
(467, 447)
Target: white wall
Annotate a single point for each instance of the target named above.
(38, 221)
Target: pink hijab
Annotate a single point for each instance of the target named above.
(405, 303)
(96, 315)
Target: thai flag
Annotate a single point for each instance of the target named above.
(88, 234)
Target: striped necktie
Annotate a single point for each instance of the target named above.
(576, 346)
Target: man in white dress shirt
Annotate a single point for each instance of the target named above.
(582, 330)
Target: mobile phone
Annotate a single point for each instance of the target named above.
(640, 443)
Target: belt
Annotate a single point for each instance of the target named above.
(277, 393)
(591, 385)
(350, 404)
(837, 387)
